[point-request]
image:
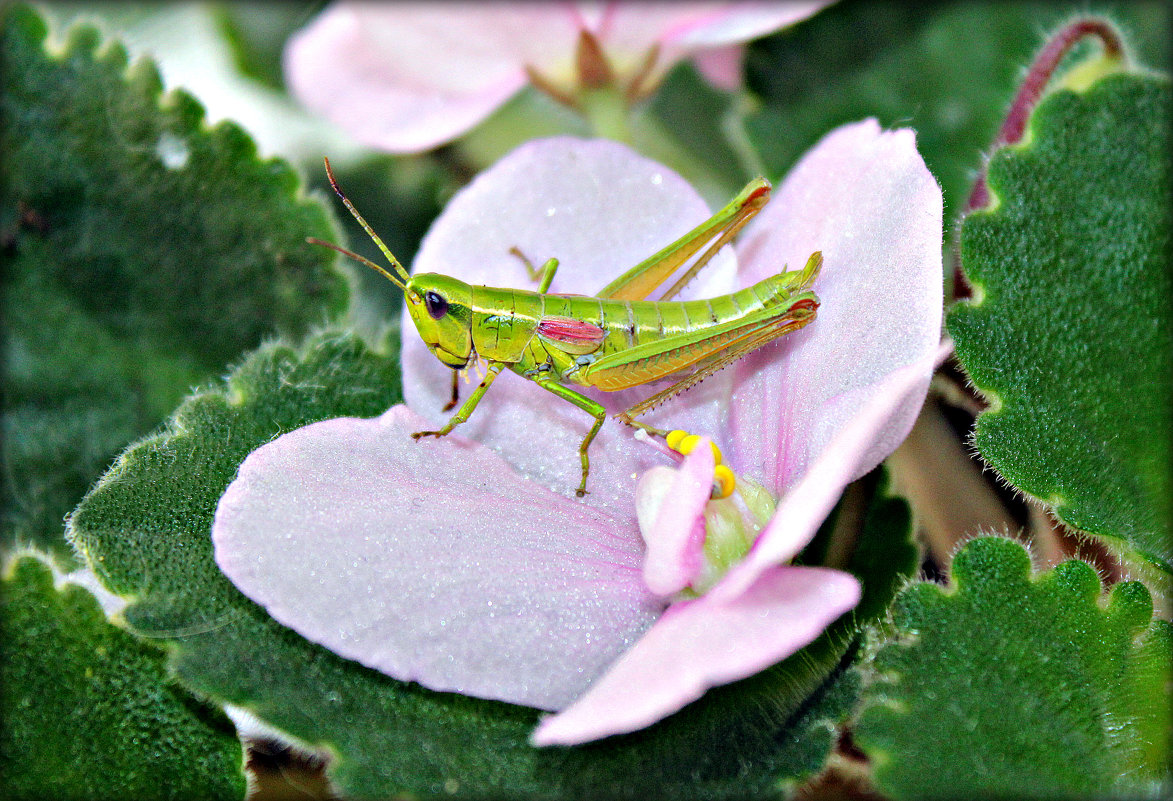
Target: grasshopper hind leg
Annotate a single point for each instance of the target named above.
(627, 419)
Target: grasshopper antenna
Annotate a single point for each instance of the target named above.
(313, 240)
(403, 278)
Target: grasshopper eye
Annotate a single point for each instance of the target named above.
(436, 304)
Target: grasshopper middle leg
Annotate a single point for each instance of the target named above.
(587, 405)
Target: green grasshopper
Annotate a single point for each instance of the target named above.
(612, 341)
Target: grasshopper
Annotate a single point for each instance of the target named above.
(612, 341)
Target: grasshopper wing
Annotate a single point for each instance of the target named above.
(570, 335)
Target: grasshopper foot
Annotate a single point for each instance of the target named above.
(628, 420)
(420, 434)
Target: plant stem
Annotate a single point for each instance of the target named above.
(1041, 71)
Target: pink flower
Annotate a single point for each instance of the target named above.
(467, 565)
(406, 77)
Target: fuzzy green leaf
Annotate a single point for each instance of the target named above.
(145, 529)
(1018, 686)
(143, 251)
(89, 711)
(1069, 332)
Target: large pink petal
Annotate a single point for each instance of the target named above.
(680, 29)
(599, 208)
(701, 644)
(729, 633)
(866, 200)
(406, 77)
(432, 561)
(804, 507)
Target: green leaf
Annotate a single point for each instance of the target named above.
(145, 529)
(1069, 332)
(1012, 685)
(947, 70)
(88, 709)
(143, 250)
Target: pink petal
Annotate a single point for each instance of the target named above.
(804, 507)
(681, 29)
(406, 77)
(432, 561)
(599, 208)
(866, 200)
(675, 533)
(701, 644)
(721, 66)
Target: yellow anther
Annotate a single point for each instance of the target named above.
(682, 442)
(724, 482)
(692, 440)
(674, 439)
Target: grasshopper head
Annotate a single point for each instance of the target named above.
(440, 307)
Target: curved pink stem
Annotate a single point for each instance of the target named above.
(1027, 97)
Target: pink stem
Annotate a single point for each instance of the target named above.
(1037, 78)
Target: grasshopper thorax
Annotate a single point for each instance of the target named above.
(439, 306)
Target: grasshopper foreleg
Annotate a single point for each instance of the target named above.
(462, 414)
(587, 405)
(451, 404)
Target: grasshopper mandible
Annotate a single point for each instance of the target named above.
(612, 341)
